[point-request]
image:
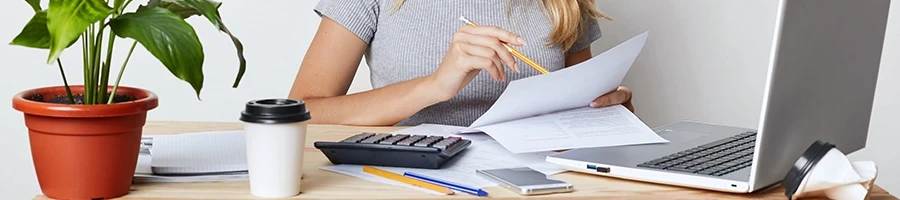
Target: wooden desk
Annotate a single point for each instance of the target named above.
(320, 184)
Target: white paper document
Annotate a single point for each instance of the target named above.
(144, 174)
(483, 153)
(486, 143)
(577, 128)
(199, 153)
(573, 87)
(551, 111)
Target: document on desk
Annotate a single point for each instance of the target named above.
(199, 153)
(551, 111)
(144, 171)
(483, 153)
(576, 128)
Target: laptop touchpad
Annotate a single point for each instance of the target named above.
(679, 136)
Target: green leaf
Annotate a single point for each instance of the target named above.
(68, 19)
(118, 4)
(152, 3)
(35, 4)
(208, 9)
(35, 33)
(169, 38)
(182, 11)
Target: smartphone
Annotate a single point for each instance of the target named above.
(525, 181)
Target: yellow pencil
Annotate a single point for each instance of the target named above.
(514, 51)
(407, 180)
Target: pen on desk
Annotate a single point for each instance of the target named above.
(453, 186)
(514, 51)
(407, 180)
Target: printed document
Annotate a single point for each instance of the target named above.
(577, 128)
(483, 153)
(551, 111)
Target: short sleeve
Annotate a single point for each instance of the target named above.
(589, 33)
(358, 16)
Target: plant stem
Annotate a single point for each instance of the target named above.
(119, 78)
(104, 77)
(100, 91)
(65, 82)
(86, 67)
(90, 87)
(122, 9)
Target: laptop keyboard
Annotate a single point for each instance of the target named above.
(716, 158)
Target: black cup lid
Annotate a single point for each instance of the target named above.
(804, 164)
(275, 111)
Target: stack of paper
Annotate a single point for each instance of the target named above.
(194, 157)
(199, 153)
(143, 174)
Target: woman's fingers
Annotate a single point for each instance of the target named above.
(487, 64)
(495, 44)
(480, 57)
(496, 32)
(486, 42)
(620, 96)
(488, 53)
(475, 50)
(499, 67)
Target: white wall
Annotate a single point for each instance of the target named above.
(275, 34)
(698, 37)
(706, 60)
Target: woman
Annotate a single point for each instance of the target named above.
(427, 66)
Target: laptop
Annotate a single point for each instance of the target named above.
(820, 86)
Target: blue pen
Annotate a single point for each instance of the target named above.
(452, 186)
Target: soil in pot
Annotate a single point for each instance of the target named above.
(77, 98)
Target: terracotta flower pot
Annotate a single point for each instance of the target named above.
(84, 151)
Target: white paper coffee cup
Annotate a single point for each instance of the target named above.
(275, 132)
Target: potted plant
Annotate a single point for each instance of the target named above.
(85, 138)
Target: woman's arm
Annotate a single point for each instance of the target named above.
(325, 76)
(335, 53)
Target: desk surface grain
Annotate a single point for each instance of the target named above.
(320, 184)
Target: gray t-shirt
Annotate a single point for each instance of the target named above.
(411, 42)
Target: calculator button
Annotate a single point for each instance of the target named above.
(410, 140)
(375, 139)
(356, 138)
(443, 144)
(427, 141)
(394, 139)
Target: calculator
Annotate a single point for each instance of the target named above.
(394, 150)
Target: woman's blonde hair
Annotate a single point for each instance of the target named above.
(568, 17)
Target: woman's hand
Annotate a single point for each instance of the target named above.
(621, 95)
(472, 50)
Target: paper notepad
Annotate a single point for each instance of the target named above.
(199, 153)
